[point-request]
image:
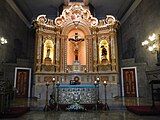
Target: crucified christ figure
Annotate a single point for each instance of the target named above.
(76, 41)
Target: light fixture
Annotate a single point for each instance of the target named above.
(152, 37)
(152, 43)
(3, 41)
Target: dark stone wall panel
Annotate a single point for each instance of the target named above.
(19, 51)
(144, 21)
(141, 23)
(16, 32)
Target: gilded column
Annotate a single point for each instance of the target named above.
(95, 56)
(113, 52)
(54, 49)
(90, 54)
(62, 54)
(87, 54)
(65, 53)
(57, 53)
(39, 51)
(116, 50)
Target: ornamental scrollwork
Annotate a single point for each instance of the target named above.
(42, 20)
(76, 13)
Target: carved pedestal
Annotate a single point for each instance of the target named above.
(47, 61)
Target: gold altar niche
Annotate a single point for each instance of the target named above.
(76, 44)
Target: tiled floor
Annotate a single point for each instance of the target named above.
(117, 111)
(95, 115)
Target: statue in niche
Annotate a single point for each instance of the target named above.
(47, 58)
(104, 59)
(76, 41)
(104, 52)
(48, 53)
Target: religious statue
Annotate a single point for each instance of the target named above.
(104, 52)
(76, 41)
(48, 59)
(48, 53)
(76, 51)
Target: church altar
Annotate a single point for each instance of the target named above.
(82, 94)
(76, 45)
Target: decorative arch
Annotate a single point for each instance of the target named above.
(81, 26)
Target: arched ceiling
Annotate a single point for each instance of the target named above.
(32, 8)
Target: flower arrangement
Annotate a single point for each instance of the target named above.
(76, 108)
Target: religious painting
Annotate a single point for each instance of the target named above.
(22, 82)
(129, 48)
(129, 82)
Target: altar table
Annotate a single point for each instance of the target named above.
(83, 94)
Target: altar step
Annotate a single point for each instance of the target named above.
(114, 104)
(119, 107)
(88, 107)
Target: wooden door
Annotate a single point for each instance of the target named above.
(129, 82)
(22, 82)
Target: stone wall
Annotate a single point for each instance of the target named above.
(140, 24)
(20, 42)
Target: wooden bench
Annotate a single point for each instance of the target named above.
(154, 80)
(155, 91)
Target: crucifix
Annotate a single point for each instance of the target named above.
(76, 41)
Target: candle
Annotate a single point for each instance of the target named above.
(58, 82)
(95, 82)
(53, 79)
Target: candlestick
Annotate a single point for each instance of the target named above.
(46, 108)
(58, 84)
(105, 93)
